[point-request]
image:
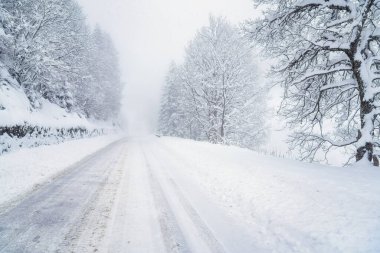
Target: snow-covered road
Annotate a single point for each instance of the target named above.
(172, 195)
(52, 217)
(157, 210)
(123, 198)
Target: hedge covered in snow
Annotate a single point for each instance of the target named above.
(27, 136)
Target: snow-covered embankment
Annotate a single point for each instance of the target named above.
(23, 170)
(23, 126)
(287, 205)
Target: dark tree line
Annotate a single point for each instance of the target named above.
(49, 49)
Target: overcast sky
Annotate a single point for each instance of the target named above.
(149, 34)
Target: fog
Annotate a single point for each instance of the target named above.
(149, 34)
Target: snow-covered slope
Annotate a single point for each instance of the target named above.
(15, 109)
(22, 126)
(288, 206)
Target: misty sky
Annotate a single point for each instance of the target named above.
(149, 34)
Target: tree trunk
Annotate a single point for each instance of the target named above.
(366, 132)
(366, 150)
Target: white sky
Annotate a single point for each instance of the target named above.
(149, 34)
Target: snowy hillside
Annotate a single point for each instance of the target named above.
(21, 125)
(59, 77)
(287, 205)
(16, 110)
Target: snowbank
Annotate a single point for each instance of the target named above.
(290, 206)
(22, 170)
(15, 109)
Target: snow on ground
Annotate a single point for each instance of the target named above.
(15, 109)
(288, 206)
(173, 195)
(25, 169)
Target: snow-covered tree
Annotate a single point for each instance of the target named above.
(43, 33)
(328, 63)
(5, 40)
(100, 94)
(220, 100)
(176, 115)
(54, 55)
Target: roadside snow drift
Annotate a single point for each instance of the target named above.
(25, 169)
(22, 126)
(287, 205)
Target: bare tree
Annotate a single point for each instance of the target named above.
(328, 54)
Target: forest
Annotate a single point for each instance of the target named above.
(50, 56)
(327, 63)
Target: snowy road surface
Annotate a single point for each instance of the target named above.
(171, 195)
(123, 198)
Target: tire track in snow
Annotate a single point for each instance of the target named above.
(89, 234)
(43, 220)
(134, 226)
(203, 230)
(173, 237)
